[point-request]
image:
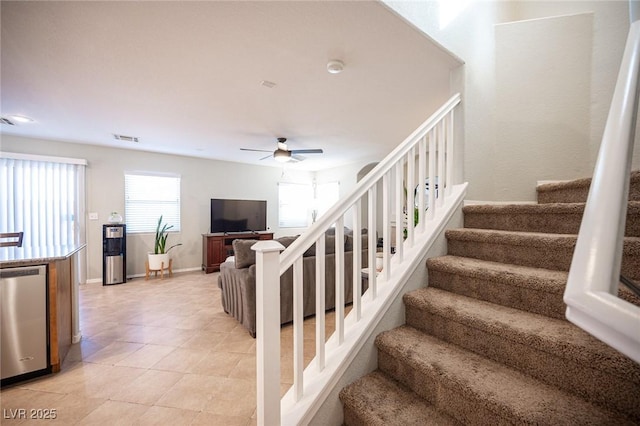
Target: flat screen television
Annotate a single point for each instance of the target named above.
(238, 215)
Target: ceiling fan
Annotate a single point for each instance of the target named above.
(284, 155)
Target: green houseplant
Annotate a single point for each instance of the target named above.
(162, 232)
(159, 259)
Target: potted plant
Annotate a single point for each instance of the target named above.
(160, 253)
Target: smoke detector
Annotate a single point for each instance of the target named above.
(335, 66)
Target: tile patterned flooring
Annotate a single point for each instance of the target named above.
(155, 352)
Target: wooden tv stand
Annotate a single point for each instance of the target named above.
(217, 247)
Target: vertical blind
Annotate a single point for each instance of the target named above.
(147, 197)
(42, 198)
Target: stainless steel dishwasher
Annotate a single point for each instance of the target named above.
(23, 301)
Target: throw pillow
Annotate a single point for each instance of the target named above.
(243, 254)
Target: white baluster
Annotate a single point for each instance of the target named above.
(422, 175)
(372, 246)
(449, 180)
(432, 173)
(357, 259)
(399, 190)
(411, 163)
(386, 225)
(298, 326)
(320, 304)
(441, 171)
(339, 258)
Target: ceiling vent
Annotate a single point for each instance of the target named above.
(126, 138)
(6, 121)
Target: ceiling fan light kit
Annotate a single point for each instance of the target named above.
(335, 66)
(282, 154)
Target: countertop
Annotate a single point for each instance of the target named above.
(20, 256)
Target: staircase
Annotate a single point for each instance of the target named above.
(487, 342)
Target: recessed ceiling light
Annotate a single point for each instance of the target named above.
(335, 66)
(22, 119)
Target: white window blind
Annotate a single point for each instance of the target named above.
(294, 204)
(44, 199)
(147, 197)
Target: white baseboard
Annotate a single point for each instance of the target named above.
(76, 337)
(175, 271)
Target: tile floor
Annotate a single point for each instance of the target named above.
(154, 352)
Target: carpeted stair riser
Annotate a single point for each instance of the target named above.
(576, 191)
(550, 251)
(531, 289)
(378, 400)
(553, 351)
(546, 218)
(478, 391)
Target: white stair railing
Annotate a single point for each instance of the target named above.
(429, 151)
(594, 277)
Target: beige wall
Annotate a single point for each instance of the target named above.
(473, 36)
(543, 70)
(201, 180)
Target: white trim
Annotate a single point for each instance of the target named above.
(48, 158)
(175, 271)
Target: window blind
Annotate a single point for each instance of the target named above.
(149, 196)
(44, 199)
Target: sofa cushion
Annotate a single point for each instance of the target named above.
(286, 241)
(329, 246)
(244, 256)
(348, 245)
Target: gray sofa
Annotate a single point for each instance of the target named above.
(237, 280)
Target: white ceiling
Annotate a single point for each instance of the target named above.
(185, 77)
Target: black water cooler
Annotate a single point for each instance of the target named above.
(114, 254)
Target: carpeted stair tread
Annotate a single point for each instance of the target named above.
(560, 338)
(557, 218)
(553, 351)
(535, 249)
(376, 399)
(476, 390)
(535, 290)
(577, 190)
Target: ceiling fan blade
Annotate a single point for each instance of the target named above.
(268, 156)
(306, 151)
(254, 150)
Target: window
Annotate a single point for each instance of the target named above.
(147, 197)
(327, 194)
(294, 203)
(297, 202)
(44, 198)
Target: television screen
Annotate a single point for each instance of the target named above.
(238, 215)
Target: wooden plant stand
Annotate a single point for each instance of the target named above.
(161, 270)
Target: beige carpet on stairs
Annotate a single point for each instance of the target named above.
(486, 342)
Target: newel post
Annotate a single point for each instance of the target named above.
(268, 331)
